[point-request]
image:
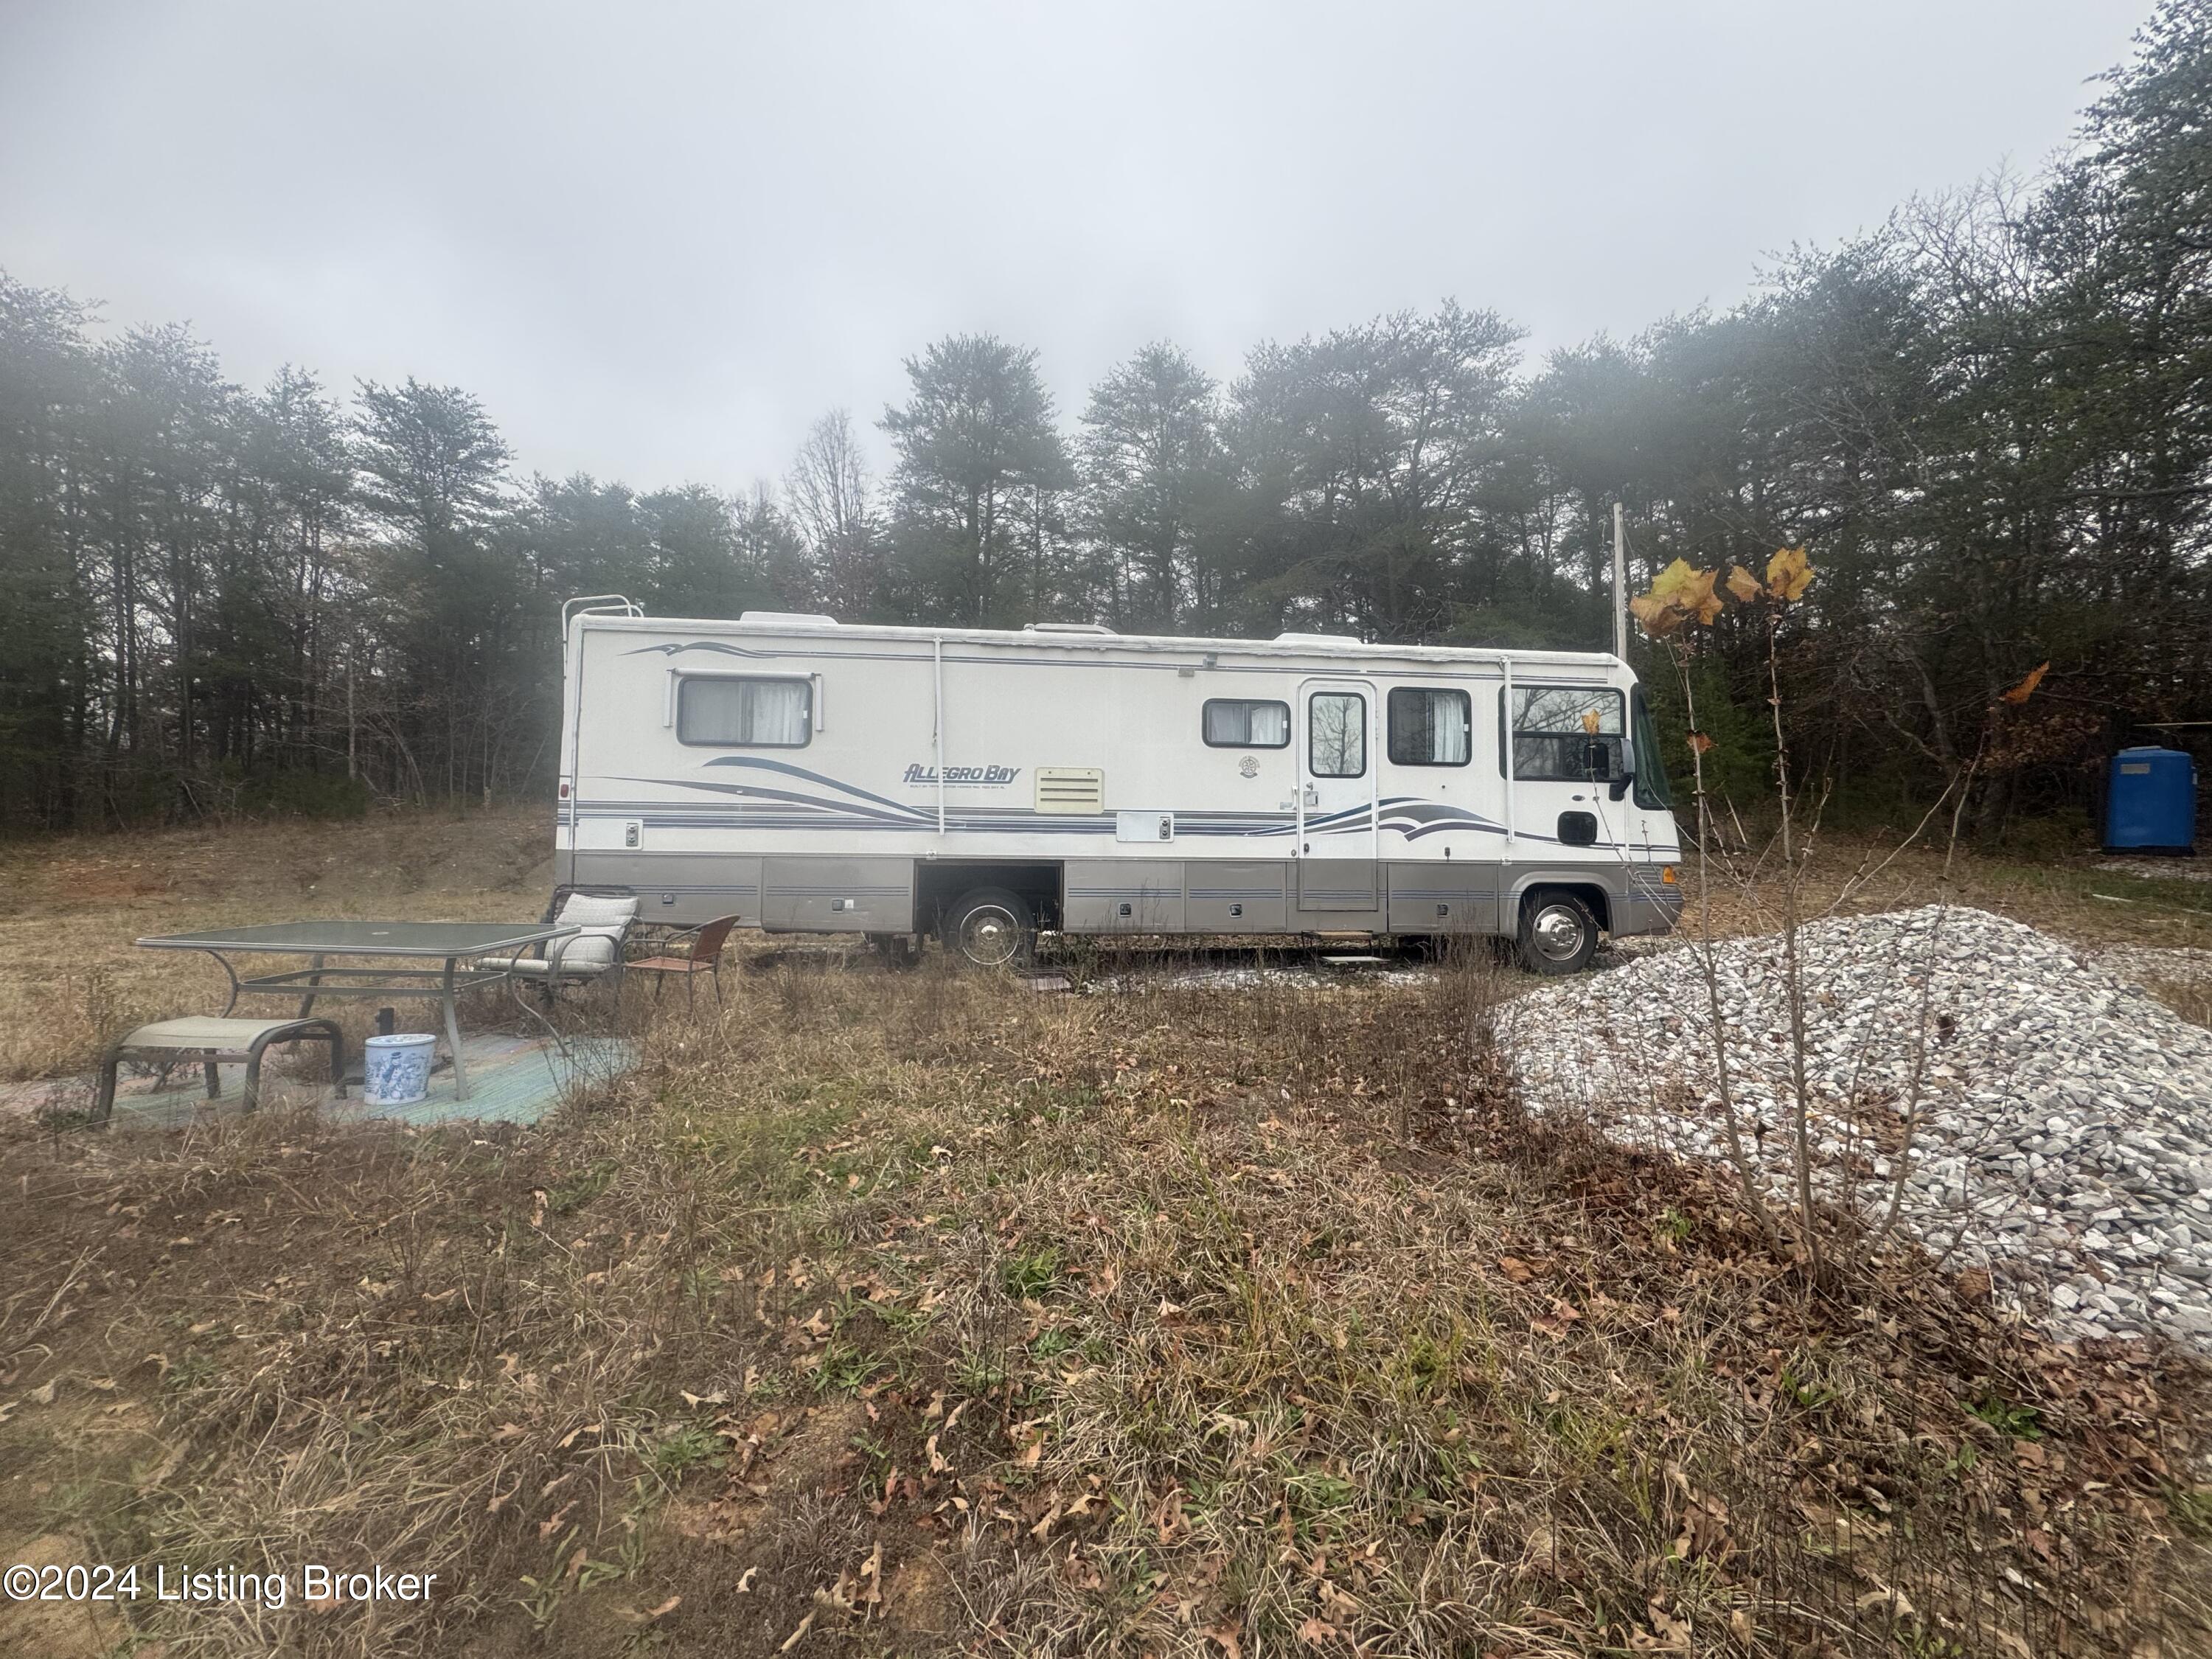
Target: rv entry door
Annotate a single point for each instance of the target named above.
(1337, 838)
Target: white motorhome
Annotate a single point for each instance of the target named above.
(812, 777)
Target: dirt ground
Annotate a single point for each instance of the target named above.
(913, 1312)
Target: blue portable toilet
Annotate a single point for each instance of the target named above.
(2150, 802)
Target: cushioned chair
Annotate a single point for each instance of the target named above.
(595, 953)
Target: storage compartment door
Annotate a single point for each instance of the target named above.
(837, 896)
(1236, 898)
(1122, 896)
(1337, 885)
(1442, 898)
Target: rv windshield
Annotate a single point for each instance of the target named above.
(1651, 791)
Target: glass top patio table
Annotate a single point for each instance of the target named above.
(451, 941)
(366, 939)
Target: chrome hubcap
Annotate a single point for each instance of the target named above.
(1558, 932)
(990, 937)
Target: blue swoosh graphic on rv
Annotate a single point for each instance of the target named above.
(755, 792)
(789, 770)
(1409, 816)
(818, 777)
(698, 645)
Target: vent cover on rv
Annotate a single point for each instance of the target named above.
(1070, 789)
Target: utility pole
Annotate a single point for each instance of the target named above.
(1619, 587)
(353, 644)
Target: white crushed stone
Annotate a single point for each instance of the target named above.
(1252, 977)
(2175, 964)
(2064, 1140)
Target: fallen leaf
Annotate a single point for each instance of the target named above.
(656, 1613)
(548, 1527)
(1895, 1600)
(2021, 693)
(1744, 584)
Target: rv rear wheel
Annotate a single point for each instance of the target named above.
(990, 927)
(1558, 933)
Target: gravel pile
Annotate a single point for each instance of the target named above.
(2064, 1137)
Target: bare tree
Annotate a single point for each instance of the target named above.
(830, 498)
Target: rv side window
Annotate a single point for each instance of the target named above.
(1232, 724)
(1568, 734)
(1336, 734)
(728, 712)
(1429, 727)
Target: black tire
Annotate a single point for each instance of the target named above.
(1558, 933)
(990, 927)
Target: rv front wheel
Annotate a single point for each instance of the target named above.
(990, 927)
(1559, 935)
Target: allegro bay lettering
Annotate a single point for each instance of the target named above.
(918, 773)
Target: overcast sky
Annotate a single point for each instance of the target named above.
(657, 241)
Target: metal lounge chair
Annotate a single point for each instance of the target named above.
(703, 955)
(580, 958)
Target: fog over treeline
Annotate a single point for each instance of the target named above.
(1990, 420)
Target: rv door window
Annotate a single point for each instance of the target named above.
(1233, 724)
(723, 711)
(1429, 727)
(1567, 734)
(1336, 734)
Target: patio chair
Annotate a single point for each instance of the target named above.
(582, 958)
(218, 1042)
(703, 955)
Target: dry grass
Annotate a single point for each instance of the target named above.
(929, 1314)
(70, 907)
(2070, 897)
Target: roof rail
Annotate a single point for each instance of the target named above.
(1318, 639)
(586, 603)
(788, 618)
(1066, 627)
